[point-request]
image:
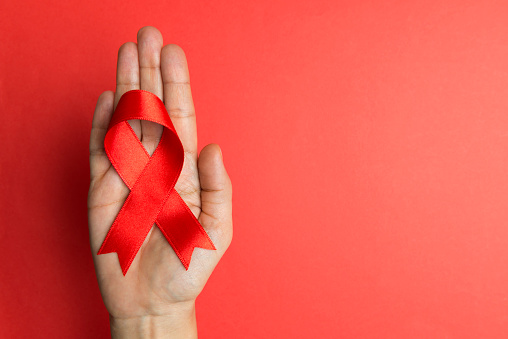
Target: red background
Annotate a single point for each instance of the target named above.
(366, 141)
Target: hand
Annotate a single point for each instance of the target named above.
(157, 294)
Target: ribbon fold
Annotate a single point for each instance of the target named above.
(151, 180)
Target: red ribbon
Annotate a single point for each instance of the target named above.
(151, 179)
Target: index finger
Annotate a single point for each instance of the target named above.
(178, 97)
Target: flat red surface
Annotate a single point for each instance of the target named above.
(367, 142)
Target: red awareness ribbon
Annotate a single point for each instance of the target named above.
(151, 180)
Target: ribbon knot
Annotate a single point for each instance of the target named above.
(151, 180)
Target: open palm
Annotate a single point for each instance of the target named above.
(156, 280)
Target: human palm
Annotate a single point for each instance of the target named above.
(156, 280)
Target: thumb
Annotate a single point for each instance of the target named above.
(216, 193)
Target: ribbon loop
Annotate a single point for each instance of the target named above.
(151, 179)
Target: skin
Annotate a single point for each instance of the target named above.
(157, 296)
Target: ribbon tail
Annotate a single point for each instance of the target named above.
(181, 229)
(126, 242)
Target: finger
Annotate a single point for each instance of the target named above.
(178, 97)
(149, 51)
(99, 162)
(216, 193)
(127, 76)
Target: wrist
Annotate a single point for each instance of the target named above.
(180, 323)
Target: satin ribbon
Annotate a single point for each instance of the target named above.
(151, 180)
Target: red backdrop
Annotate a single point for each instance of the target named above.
(366, 141)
